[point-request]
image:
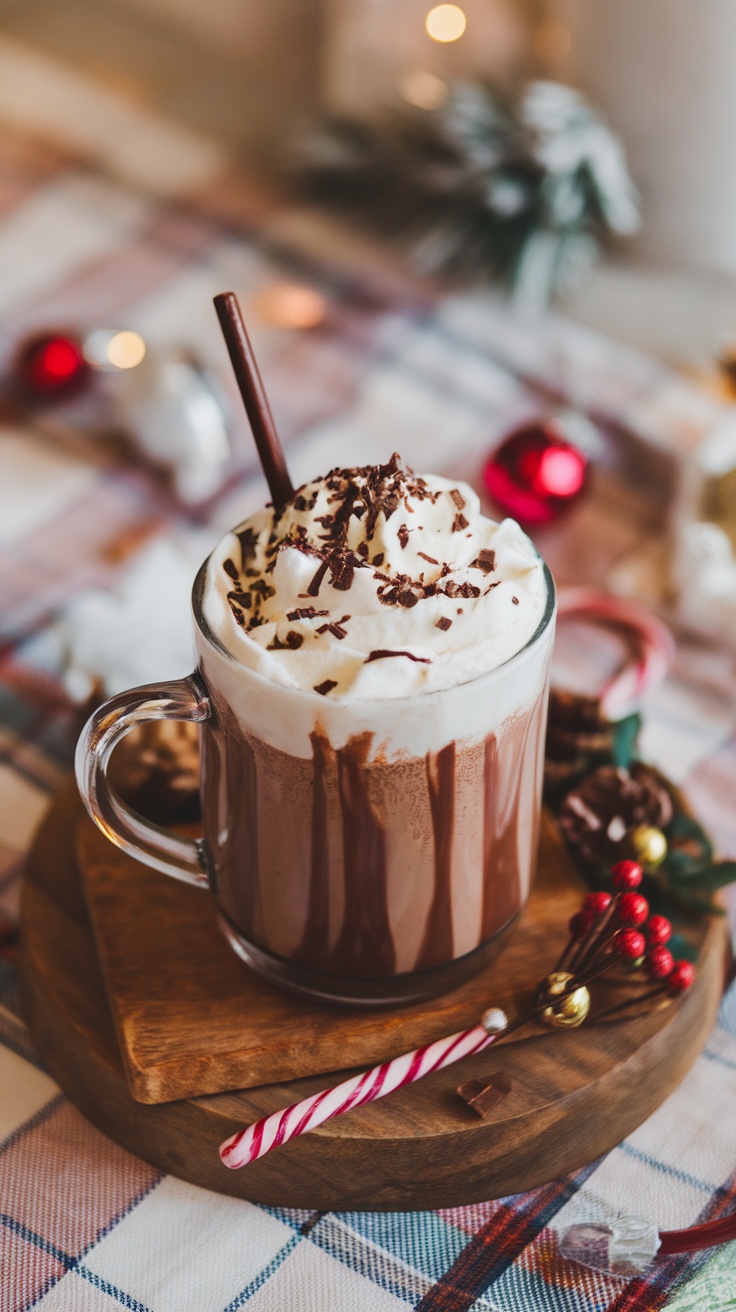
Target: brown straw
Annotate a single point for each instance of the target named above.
(251, 387)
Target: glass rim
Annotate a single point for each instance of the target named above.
(221, 649)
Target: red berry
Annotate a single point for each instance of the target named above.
(632, 909)
(630, 944)
(597, 903)
(627, 874)
(658, 931)
(680, 977)
(579, 924)
(658, 963)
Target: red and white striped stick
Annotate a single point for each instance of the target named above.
(258, 1139)
(653, 648)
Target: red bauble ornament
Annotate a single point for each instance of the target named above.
(658, 963)
(680, 977)
(536, 473)
(51, 367)
(597, 903)
(627, 874)
(630, 944)
(658, 931)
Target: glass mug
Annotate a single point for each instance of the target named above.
(357, 851)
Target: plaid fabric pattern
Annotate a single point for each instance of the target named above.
(85, 1227)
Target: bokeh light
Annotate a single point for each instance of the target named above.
(290, 305)
(446, 23)
(51, 365)
(125, 350)
(561, 472)
(425, 90)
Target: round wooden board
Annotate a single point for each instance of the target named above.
(573, 1095)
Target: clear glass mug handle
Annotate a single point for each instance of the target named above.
(177, 699)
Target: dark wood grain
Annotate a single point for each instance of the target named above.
(572, 1097)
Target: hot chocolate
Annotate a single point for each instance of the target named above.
(376, 656)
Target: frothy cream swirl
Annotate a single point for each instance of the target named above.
(375, 582)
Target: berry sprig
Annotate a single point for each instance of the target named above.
(615, 927)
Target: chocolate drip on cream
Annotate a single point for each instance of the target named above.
(437, 942)
(503, 804)
(365, 945)
(315, 940)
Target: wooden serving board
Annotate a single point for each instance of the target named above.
(191, 1018)
(572, 1095)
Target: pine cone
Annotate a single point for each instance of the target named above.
(596, 817)
(155, 768)
(579, 737)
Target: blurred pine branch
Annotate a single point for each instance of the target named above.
(481, 188)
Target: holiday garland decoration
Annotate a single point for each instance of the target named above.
(483, 187)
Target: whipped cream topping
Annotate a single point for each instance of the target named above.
(375, 583)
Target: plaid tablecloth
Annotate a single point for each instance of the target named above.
(85, 1227)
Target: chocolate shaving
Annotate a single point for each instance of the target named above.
(430, 559)
(263, 589)
(515, 601)
(466, 590)
(382, 653)
(230, 568)
(305, 613)
(458, 523)
(316, 583)
(335, 628)
(443, 623)
(485, 560)
(342, 569)
(458, 498)
(326, 686)
(248, 539)
(292, 641)
(362, 493)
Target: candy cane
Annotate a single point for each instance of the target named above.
(265, 1135)
(652, 644)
